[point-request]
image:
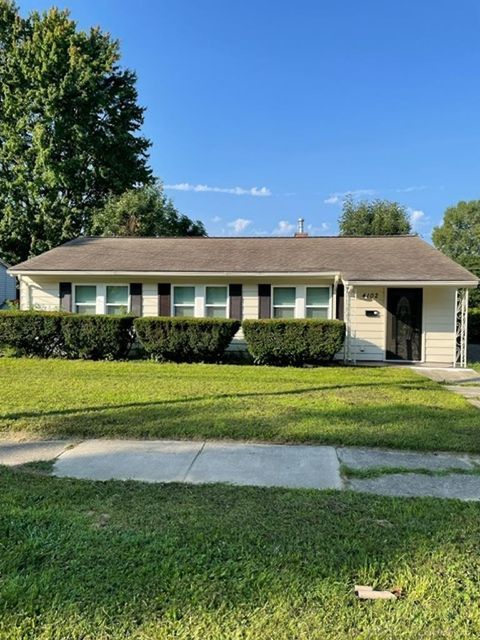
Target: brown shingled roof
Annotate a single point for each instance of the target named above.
(369, 258)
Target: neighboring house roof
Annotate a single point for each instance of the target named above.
(3, 264)
(370, 258)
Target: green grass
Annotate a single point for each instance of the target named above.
(84, 560)
(334, 405)
(378, 472)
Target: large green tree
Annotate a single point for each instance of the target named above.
(373, 218)
(459, 237)
(143, 212)
(69, 129)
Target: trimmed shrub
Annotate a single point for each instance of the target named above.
(92, 337)
(32, 333)
(186, 339)
(293, 342)
(474, 325)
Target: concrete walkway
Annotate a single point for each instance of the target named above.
(445, 475)
(455, 379)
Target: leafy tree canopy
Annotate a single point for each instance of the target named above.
(143, 212)
(69, 129)
(375, 218)
(459, 237)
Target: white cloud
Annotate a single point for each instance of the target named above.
(259, 192)
(339, 196)
(417, 218)
(333, 199)
(239, 225)
(283, 228)
(216, 219)
(413, 188)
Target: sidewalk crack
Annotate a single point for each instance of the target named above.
(197, 455)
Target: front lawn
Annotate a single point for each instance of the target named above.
(335, 405)
(109, 561)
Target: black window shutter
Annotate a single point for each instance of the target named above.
(236, 301)
(65, 295)
(339, 311)
(164, 299)
(264, 300)
(136, 298)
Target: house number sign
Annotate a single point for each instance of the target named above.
(370, 295)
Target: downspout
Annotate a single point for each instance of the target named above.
(348, 328)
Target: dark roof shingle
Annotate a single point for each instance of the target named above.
(389, 258)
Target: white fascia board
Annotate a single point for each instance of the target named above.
(412, 283)
(188, 274)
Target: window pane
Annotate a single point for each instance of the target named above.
(284, 296)
(116, 310)
(184, 295)
(117, 295)
(216, 312)
(318, 312)
(185, 311)
(86, 309)
(283, 312)
(318, 296)
(86, 293)
(216, 295)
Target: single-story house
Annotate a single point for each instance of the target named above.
(400, 298)
(8, 285)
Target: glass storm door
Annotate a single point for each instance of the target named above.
(404, 324)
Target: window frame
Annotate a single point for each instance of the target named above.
(327, 306)
(111, 304)
(83, 304)
(173, 305)
(200, 300)
(300, 307)
(205, 306)
(101, 295)
(295, 301)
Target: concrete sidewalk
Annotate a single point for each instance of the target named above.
(445, 475)
(262, 465)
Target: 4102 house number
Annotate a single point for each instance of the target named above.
(370, 295)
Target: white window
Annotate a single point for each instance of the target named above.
(284, 301)
(85, 298)
(216, 299)
(184, 301)
(317, 302)
(116, 300)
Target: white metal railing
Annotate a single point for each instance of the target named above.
(461, 326)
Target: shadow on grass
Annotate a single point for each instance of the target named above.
(412, 426)
(107, 558)
(15, 415)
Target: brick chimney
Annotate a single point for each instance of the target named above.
(300, 233)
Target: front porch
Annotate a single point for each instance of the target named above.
(406, 323)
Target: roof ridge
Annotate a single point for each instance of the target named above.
(309, 237)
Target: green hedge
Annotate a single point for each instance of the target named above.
(55, 334)
(293, 342)
(97, 337)
(186, 339)
(474, 325)
(32, 333)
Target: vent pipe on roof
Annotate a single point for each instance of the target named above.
(301, 229)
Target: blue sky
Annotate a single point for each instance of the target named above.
(263, 111)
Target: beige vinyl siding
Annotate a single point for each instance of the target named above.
(40, 293)
(368, 333)
(439, 324)
(150, 299)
